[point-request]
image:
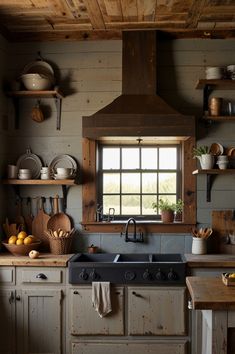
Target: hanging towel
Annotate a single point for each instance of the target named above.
(101, 299)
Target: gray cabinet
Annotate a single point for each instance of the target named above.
(32, 317)
(156, 311)
(153, 320)
(84, 320)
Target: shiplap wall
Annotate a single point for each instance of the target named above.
(90, 75)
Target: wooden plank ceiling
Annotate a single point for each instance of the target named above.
(40, 20)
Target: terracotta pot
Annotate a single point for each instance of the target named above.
(167, 216)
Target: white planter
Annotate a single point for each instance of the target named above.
(206, 161)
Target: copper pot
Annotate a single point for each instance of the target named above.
(215, 106)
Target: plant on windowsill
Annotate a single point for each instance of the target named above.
(167, 210)
(202, 153)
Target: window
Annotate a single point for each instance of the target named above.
(131, 178)
(93, 192)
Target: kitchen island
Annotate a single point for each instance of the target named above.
(217, 302)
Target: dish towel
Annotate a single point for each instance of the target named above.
(101, 299)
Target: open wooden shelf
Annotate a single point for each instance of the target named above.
(219, 118)
(223, 84)
(57, 182)
(36, 93)
(57, 95)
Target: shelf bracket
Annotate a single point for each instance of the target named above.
(65, 190)
(206, 93)
(17, 111)
(58, 102)
(209, 182)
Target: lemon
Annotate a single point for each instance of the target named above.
(22, 235)
(34, 239)
(19, 241)
(28, 240)
(12, 240)
(232, 275)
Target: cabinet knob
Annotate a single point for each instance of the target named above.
(41, 276)
(76, 292)
(17, 298)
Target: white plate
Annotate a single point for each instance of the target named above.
(30, 161)
(38, 67)
(66, 161)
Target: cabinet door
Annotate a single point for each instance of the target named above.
(41, 316)
(84, 320)
(156, 311)
(129, 348)
(7, 321)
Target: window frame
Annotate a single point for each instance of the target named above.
(89, 194)
(177, 171)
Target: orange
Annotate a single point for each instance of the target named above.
(12, 240)
(28, 240)
(22, 234)
(19, 241)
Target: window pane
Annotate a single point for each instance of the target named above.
(111, 158)
(170, 198)
(167, 158)
(111, 201)
(149, 158)
(167, 182)
(111, 183)
(147, 201)
(131, 182)
(130, 158)
(130, 205)
(149, 183)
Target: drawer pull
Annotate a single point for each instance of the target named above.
(41, 276)
(135, 294)
(76, 292)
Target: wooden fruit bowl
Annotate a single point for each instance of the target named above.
(21, 250)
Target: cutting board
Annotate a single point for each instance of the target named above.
(223, 222)
(39, 225)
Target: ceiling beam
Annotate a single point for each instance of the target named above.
(95, 14)
(195, 12)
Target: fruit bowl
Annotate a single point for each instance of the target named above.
(21, 250)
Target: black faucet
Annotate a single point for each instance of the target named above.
(140, 238)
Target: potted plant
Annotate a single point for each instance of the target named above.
(179, 207)
(202, 153)
(167, 209)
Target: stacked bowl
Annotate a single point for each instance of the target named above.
(63, 173)
(38, 75)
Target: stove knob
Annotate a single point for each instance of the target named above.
(146, 275)
(172, 275)
(160, 275)
(93, 275)
(83, 275)
(129, 275)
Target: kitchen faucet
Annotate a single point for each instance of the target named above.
(140, 238)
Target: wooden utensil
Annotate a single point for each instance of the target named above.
(59, 220)
(39, 224)
(10, 229)
(29, 216)
(37, 114)
(19, 219)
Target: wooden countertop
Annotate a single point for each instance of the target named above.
(44, 260)
(210, 260)
(210, 294)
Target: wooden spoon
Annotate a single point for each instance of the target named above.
(59, 220)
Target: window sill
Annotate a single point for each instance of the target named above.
(147, 227)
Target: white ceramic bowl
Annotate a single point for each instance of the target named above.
(36, 82)
(64, 171)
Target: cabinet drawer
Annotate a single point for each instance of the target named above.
(156, 311)
(84, 319)
(39, 275)
(7, 275)
(175, 347)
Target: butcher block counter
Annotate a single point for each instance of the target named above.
(217, 303)
(44, 260)
(210, 260)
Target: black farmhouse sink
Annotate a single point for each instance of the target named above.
(142, 268)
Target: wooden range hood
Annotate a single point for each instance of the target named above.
(138, 111)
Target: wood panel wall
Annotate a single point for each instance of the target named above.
(90, 75)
